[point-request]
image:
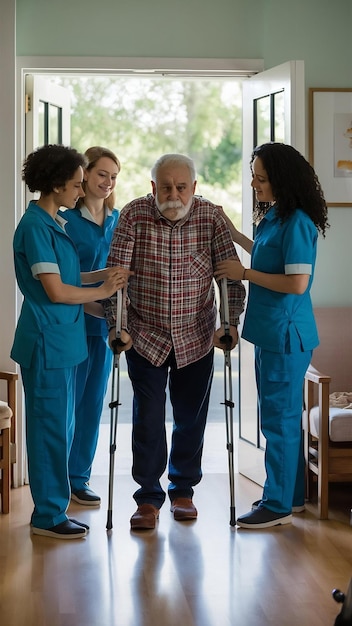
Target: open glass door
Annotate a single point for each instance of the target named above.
(48, 115)
(273, 110)
(47, 120)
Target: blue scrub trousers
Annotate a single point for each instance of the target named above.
(280, 380)
(189, 395)
(49, 396)
(91, 384)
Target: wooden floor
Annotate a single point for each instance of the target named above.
(201, 573)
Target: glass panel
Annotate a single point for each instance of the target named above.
(248, 416)
(54, 131)
(262, 120)
(41, 123)
(279, 117)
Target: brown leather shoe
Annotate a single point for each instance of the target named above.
(145, 517)
(183, 509)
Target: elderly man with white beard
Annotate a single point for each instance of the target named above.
(172, 241)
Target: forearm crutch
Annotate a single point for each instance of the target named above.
(226, 339)
(115, 402)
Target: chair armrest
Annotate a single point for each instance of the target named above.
(11, 378)
(316, 377)
(8, 376)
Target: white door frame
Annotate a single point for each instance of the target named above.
(224, 68)
(289, 78)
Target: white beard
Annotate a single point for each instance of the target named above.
(174, 211)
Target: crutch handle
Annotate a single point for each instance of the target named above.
(117, 343)
(227, 341)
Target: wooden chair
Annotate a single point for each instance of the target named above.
(327, 431)
(7, 437)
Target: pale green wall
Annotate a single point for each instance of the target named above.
(147, 28)
(315, 31)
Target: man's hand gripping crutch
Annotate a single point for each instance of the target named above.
(119, 341)
(226, 338)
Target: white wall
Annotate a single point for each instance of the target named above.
(7, 181)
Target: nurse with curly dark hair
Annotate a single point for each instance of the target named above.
(50, 338)
(279, 320)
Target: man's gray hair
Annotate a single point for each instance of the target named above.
(174, 159)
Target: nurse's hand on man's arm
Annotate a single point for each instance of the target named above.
(96, 276)
(59, 292)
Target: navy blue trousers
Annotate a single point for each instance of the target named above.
(189, 389)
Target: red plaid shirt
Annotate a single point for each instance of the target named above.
(171, 298)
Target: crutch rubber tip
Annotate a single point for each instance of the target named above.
(232, 516)
(109, 521)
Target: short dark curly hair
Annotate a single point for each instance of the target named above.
(51, 166)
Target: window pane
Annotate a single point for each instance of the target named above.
(279, 116)
(41, 123)
(54, 134)
(262, 120)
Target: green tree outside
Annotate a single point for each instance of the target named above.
(142, 118)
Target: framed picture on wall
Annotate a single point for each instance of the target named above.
(330, 142)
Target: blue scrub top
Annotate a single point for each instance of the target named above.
(93, 244)
(273, 320)
(42, 246)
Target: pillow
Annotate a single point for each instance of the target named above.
(341, 399)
